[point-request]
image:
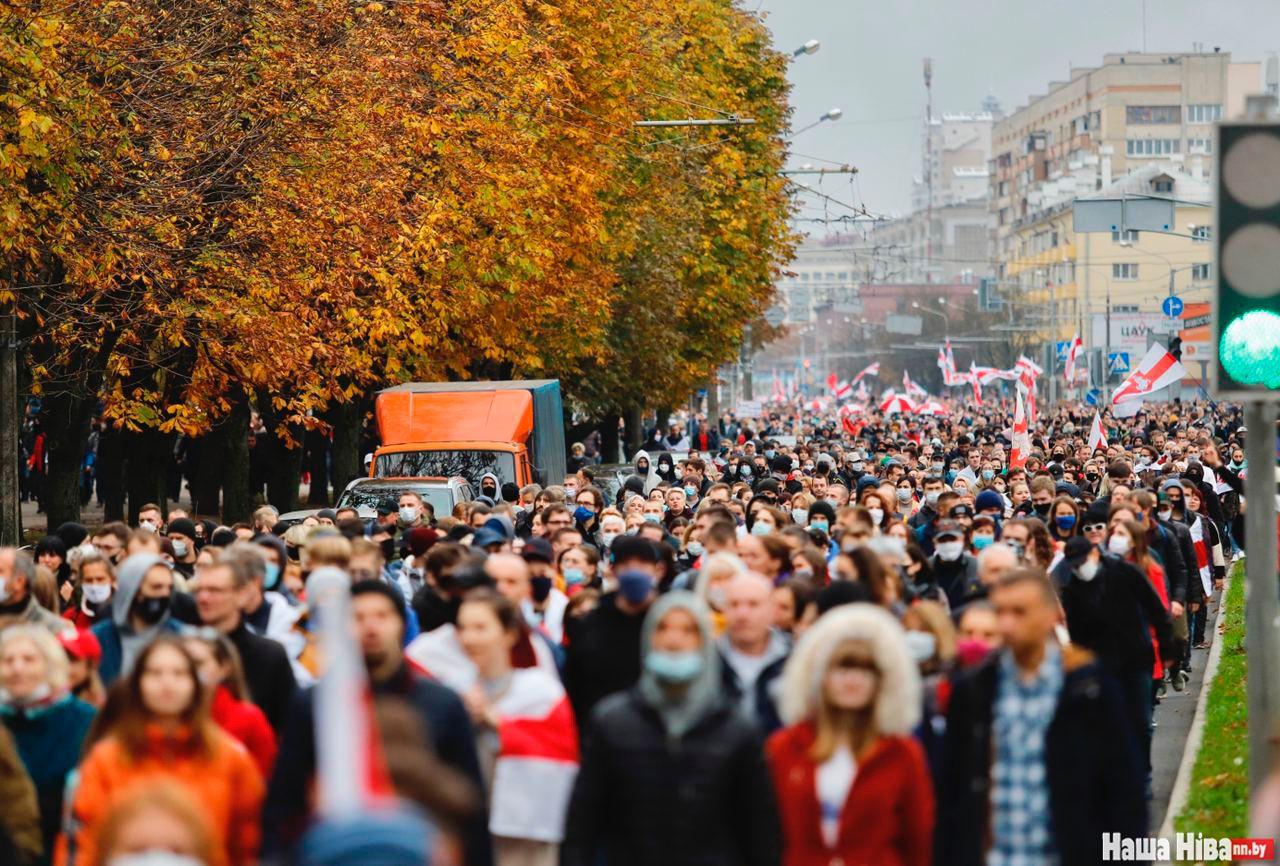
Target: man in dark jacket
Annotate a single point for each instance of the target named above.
(1110, 607)
(954, 568)
(266, 665)
(752, 652)
(604, 646)
(672, 773)
(1036, 768)
(380, 623)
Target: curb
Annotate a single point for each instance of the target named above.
(1182, 782)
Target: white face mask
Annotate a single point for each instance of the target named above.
(408, 513)
(4, 589)
(921, 645)
(606, 538)
(1088, 571)
(96, 593)
(950, 550)
(1119, 545)
(153, 858)
(799, 515)
(147, 525)
(877, 515)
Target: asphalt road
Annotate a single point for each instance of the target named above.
(1173, 723)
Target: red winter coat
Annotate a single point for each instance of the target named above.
(248, 725)
(887, 818)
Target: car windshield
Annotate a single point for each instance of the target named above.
(446, 464)
(362, 496)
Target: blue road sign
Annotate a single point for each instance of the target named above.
(1172, 306)
(1118, 362)
(1092, 397)
(1062, 347)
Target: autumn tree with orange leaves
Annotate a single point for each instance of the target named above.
(208, 209)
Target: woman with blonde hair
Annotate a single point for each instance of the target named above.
(713, 578)
(158, 818)
(851, 782)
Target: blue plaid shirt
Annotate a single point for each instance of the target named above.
(1022, 834)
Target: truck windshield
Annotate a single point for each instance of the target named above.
(436, 464)
(367, 496)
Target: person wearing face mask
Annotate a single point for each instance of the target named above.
(1112, 609)
(544, 606)
(633, 801)
(489, 486)
(160, 824)
(95, 580)
(140, 611)
(48, 724)
(955, 570)
(182, 535)
(851, 782)
(1043, 491)
(1064, 520)
(18, 603)
(603, 653)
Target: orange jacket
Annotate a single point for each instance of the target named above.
(226, 784)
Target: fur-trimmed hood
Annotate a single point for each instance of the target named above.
(897, 709)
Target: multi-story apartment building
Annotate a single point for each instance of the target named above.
(1137, 124)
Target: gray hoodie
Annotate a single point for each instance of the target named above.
(684, 707)
(128, 579)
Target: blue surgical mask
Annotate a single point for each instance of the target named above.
(988, 474)
(695, 548)
(582, 514)
(981, 541)
(1065, 522)
(574, 576)
(820, 525)
(635, 585)
(673, 668)
(690, 491)
(799, 514)
(653, 518)
(272, 577)
(759, 528)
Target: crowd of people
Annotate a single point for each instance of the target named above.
(810, 641)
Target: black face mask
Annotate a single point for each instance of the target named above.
(151, 610)
(1043, 508)
(541, 587)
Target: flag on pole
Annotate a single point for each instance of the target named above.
(976, 381)
(862, 394)
(1021, 435)
(870, 370)
(1097, 435)
(912, 389)
(1073, 352)
(831, 382)
(1157, 370)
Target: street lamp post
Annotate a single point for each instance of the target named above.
(946, 320)
(810, 47)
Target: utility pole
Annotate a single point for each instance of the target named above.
(10, 420)
(747, 353)
(1261, 603)
(928, 168)
(1053, 343)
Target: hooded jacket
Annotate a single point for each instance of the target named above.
(672, 779)
(649, 475)
(497, 486)
(120, 644)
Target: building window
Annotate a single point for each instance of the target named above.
(1130, 236)
(1124, 308)
(1162, 185)
(1152, 146)
(1201, 273)
(1199, 145)
(1202, 234)
(1126, 271)
(804, 278)
(1153, 114)
(1208, 113)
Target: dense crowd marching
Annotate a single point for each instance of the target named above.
(791, 639)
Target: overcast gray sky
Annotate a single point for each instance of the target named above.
(870, 65)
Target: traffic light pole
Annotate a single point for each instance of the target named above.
(1262, 590)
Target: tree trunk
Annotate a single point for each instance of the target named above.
(663, 421)
(149, 452)
(344, 458)
(634, 420)
(210, 466)
(237, 501)
(110, 471)
(713, 399)
(66, 422)
(283, 464)
(317, 462)
(609, 437)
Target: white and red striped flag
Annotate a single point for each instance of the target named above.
(843, 391)
(869, 370)
(831, 382)
(975, 379)
(1097, 435)
(1158, 370)
(862, 394)
(1021, 445)
(1073, 352)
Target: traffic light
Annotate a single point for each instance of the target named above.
(1246, 301)
(1175, 348)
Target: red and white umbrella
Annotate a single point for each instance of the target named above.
(895, 404)
(932, 407)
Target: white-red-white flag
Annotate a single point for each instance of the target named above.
(1073, 352)
(869, 370)
(862, 394)
(843, 391)
(1021, 446)
(1097, 435)
(913, 390)
(1158, 370)
(975, 379)
(831, 382)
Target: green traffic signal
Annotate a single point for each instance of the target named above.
(1250, 349)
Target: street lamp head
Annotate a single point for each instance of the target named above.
(833, 114)
(810, 47)
(915, 305)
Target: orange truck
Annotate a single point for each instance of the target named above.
(444, 429)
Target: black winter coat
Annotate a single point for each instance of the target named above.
(268, 672)
(603, 656)
(1110, 615)
(1096, 780)
(1165, 545)
(642, 799)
